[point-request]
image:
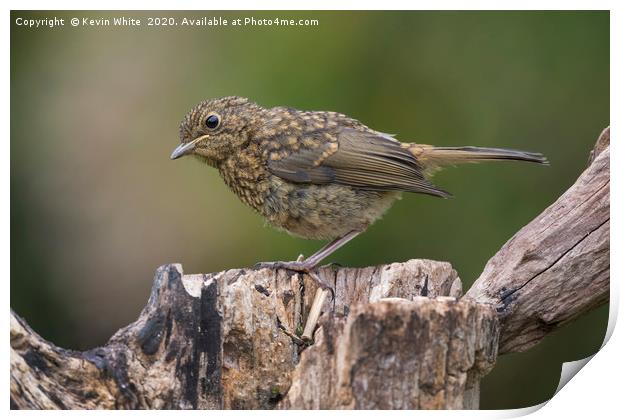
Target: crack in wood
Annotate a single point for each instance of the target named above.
(507, 297)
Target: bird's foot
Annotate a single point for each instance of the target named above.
(334, 265)
(299, 266)
(315, 276)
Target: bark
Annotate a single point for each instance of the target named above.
(224, 340)
(398, 354)
(393, 336)
(555, 268)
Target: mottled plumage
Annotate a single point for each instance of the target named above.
(318, 175)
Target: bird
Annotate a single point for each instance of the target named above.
(316, 174)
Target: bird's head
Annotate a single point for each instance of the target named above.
(213, 129)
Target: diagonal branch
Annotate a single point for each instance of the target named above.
(557, 267)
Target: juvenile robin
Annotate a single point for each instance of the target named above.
(315, 174)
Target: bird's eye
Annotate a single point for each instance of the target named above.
(212, 121)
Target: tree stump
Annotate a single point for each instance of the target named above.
(225, 340)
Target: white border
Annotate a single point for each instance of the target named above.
(591, 393)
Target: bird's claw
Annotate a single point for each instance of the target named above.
(314, 276)
(298, 266)
(334, 265)
(331, 290)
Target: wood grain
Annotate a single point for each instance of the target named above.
(557, 267)
(206, 341)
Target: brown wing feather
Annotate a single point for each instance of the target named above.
(359, 159)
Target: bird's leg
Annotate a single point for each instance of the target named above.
(308, 264)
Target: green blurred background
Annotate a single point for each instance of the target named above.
(97, 206)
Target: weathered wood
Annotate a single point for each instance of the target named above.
(47, 377)
(314, 314)
(601, 144)
(395, 336)
(557, 267)
(398, 354)
(206, 341)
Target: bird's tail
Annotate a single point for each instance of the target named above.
(433, 158)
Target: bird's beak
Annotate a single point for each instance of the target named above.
(186, 148)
